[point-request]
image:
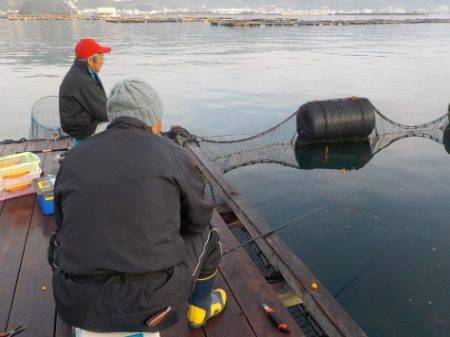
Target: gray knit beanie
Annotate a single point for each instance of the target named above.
(134, 98)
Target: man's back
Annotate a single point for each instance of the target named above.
(123, 193)
(82, 102)
(82, 98)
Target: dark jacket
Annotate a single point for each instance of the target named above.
(124, 199)
(82, 102)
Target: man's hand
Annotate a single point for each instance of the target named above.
(180, 135)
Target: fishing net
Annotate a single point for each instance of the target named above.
(270, 273)
(281, 144)
(45, 123)
(305, 321)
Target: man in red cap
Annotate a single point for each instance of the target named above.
(82, 98)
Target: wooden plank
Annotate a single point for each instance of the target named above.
(249, 286)
(34, 284)
(181, 330)
(2, 147)
(232, 322)
(286, 294)
(15, 147)
(14, 223)
(332, 318)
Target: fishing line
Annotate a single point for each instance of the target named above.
(296, 219)
(354, 279)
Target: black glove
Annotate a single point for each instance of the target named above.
(181, 135)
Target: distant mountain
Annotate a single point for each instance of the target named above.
(285, 4)
(289, 4)
(45, 7)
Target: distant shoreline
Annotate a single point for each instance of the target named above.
(232, 21)
(382, 14)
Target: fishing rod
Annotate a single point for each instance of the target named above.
(61, 149)
(296, 219)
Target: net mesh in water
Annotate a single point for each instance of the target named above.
(300, 314)
(305, 321)
(45, 122)
(282, 145)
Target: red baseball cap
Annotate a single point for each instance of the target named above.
(89, 47)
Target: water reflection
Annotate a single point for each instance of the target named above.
(333, 156)
(41, 43)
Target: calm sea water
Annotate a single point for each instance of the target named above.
(385, 252)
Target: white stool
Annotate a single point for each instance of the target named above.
(77, 332)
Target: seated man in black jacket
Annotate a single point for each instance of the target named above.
(133, 250)
(82, 98)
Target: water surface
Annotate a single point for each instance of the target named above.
(385, 253)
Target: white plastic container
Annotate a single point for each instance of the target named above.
(20, 179)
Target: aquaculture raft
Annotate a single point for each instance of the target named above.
(25, 278)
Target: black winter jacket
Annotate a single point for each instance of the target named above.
(82, 102)
(124, 200)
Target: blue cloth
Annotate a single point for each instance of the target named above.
(93, 74)
(76, 141)
(201, 295)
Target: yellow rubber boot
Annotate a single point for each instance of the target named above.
(204, 302)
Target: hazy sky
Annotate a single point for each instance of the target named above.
(344, 4)
(292, 4)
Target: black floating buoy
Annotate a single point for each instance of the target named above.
(335, 120)
(446, 138)
(345, 155)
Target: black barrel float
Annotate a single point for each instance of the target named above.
(345, 155)
(335, 120)
(446, 139)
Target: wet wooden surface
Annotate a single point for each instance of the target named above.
(25, 278)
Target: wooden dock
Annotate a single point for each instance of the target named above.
(25, 278)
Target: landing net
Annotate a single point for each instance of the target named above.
(45, 122)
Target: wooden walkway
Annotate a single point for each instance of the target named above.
(25, 278)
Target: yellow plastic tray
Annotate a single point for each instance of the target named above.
(19, 163)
